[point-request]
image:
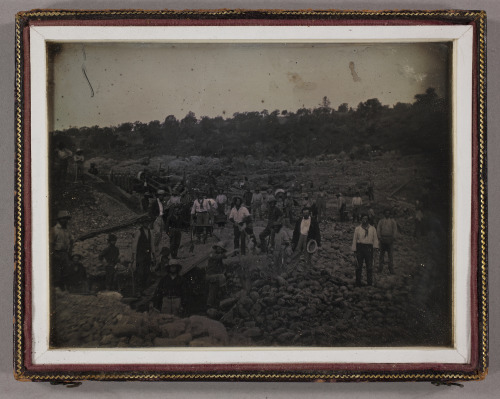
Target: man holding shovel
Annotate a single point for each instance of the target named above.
(364, 242)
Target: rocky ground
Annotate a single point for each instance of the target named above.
(302, 305)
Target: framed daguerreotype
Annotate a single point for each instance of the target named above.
(250, 195)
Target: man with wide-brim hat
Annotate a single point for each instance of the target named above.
(170, 295)
(61, 242)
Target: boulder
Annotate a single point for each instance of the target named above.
(200, 325)
(174, 329)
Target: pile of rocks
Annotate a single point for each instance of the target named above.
(103, 321)
(319, 305)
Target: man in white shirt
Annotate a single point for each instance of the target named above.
(239, 216)
(200, 217)
(364, 242)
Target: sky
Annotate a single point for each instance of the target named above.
(109, 84)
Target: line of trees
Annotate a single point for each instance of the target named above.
(422, 126)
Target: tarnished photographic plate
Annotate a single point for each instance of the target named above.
(250, 195)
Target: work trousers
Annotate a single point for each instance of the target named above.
(171, 305)
(141, 276)
(389, 248)
(301, 248)
(239, 239)
(175, 241)
(364, 253)
(268, 231)
(59, 268)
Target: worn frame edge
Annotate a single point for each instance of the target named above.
(477, 18)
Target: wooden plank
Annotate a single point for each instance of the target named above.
(113, 228)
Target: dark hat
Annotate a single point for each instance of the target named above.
(237, 196)
(306, 208)
(277, 224)
(177, 267)
(364, 214)
(112, 237)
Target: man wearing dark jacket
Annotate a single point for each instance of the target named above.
(170, 295)
(274, 215)
(306, 229)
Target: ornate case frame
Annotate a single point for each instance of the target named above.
(467, 360)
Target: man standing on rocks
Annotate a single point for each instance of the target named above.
(221, 200)
(158, 214)
(174, 199)
(371, 190)
(111, 256)
(200, 216)
(173, 227)
(281, 247)
(321, 204)
(365, 241)
(306, 229)
(257, 201)
(341, 205)
(170, 295)
(387, 231)
(273, 215)
(142, 256)
(356, 206)
(61, 242)
(215, 274)
(239, 216)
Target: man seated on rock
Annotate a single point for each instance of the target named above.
(170, 295)
(306, 229)
(215, 274)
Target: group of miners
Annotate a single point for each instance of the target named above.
(167, 216)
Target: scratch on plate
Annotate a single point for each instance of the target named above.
(85, 72)
(354, 74)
